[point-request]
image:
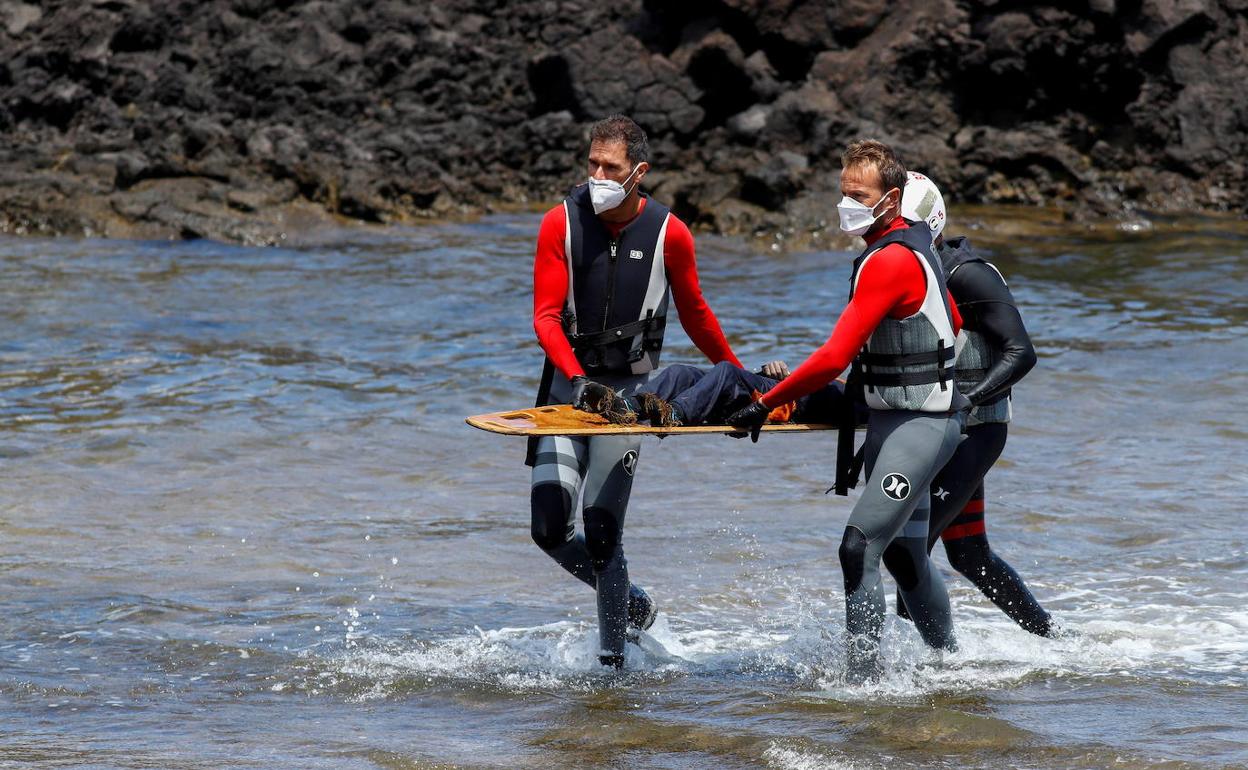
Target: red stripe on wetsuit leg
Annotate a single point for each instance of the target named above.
(969, 522)
(960, 531)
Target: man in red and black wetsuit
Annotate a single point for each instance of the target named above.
(607, 258)
(898, 330)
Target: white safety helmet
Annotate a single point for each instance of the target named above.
(921, 201)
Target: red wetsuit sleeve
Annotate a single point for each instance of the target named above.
(696, 316)
(891, 284)
(550, 293)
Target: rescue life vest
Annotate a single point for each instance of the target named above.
(616, 310)
(908, 363)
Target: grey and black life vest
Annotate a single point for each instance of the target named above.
(616, 310)
(974, 355)
(908, 363)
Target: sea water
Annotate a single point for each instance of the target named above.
(243, 524)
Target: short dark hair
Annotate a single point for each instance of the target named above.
(620, 128)
(869, 151)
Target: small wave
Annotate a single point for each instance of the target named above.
(806, 656)
(782, 757)
(557, 656)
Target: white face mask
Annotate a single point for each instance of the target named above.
(606, 194)
(857, 218)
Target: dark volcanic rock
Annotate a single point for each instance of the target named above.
(241, 120)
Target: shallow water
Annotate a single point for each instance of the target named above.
(242, 523)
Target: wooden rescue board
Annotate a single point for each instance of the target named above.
(563, 420)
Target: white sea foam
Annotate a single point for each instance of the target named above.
(801, 643)
(781, 757)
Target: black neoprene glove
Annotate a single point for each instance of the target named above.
(590, 396)
(751, 418)
(579, 383)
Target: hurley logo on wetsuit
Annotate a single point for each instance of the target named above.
(896, 486)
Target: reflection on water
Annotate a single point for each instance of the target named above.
(243, 524)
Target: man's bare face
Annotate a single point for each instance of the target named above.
(609, 160)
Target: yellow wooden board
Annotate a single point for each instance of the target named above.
(563, 420)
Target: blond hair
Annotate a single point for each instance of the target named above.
(871, 152)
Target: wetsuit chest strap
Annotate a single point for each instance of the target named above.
(648, 326)
(941, 358)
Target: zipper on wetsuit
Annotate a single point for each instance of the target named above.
(606, 311)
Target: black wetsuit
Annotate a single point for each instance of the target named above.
(987, 308)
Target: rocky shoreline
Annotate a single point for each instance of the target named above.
(245, 120)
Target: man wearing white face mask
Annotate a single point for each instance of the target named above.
(606, 260)
(898, 331)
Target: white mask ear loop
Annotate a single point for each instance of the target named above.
(881, 200)
(630, 176)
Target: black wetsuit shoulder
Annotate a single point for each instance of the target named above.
(987, 306)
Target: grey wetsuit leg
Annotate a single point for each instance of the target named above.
(608, 484)
(904, 451)
(921, 586)
(557, 477)
(597, 472)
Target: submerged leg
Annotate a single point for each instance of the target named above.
(864, 604)
(958, 479)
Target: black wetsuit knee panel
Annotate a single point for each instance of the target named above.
(602, 535)
(900, 563)
(853, 553)
(551, 507)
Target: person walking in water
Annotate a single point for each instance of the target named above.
(898, 330)
(994, 353)
(607, 258)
